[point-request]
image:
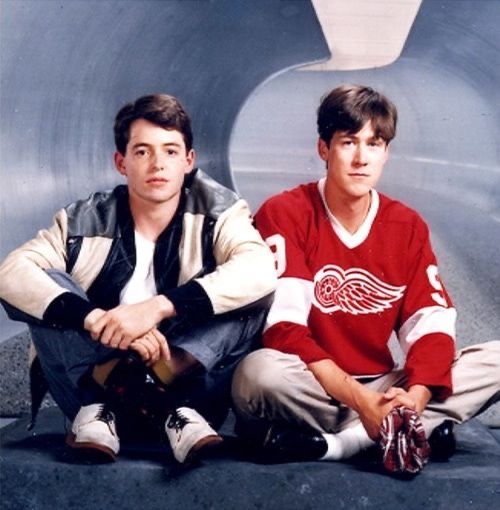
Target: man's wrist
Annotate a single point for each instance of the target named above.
(92, 317)
(165, 307)
(362, 397)
(421, 395)
(339, 384)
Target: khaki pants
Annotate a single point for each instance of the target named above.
(272, 385)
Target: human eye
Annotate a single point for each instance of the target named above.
(376, 142)
(172, 152)
(141, 152)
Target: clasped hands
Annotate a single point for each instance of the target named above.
(377, 405)
(133, 327)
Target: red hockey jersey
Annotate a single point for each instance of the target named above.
(341, 296)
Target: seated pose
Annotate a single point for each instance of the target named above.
(142, 299)
(355, 266)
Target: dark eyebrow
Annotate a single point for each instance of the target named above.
(347, 135)
(376, 138)
(140, 144)
(354, 136)
(144, 144)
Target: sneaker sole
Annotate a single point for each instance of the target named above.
(204, 444)
(91, 452)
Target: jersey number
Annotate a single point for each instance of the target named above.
(276, 243)
(432, 274)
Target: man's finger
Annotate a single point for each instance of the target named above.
(402, 400)
(154, 348)
(407, 401)
(108, 335)
(141, 350)
(150, 342)
(125, 342)
(100, 324)
(96, 331)
(394, 392)
(162, 342)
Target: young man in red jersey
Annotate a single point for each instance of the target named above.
(354, 267)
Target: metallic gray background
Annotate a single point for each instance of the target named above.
(67, 66)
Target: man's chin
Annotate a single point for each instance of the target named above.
(157, 197)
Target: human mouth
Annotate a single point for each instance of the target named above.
(156, 181)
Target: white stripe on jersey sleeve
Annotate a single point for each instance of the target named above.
(431, 319)
(292, 302)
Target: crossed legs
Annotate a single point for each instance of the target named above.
(276, 387)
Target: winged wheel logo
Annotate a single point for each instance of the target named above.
(354, 291)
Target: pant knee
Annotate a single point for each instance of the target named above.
(494, 362)
(260, 378)
(486, 357)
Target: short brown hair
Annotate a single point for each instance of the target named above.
(160, 109)
(349, 107)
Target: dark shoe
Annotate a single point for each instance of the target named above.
(287, 444)
(442, 442)
(283, 443)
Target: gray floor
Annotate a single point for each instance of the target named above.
(37, 472)
(7, 421)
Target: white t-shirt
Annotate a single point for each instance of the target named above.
(141, 285)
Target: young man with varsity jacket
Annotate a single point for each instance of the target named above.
(141, 300)
(355, 266)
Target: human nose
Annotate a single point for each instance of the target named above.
(360, 155)
(158, 162)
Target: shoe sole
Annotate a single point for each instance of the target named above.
(91, 452)
(204, 444)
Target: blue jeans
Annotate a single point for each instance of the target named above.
(66, 355)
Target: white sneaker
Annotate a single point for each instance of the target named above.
(188, 432)
(94, 432)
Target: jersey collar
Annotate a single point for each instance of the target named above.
(351, 240)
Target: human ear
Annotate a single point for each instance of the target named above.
(190, 159)
(120, 163)
(323, 149)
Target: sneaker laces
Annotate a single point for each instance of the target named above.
(105, 414)
(177, 421)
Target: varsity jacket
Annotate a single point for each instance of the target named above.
(209, 260)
